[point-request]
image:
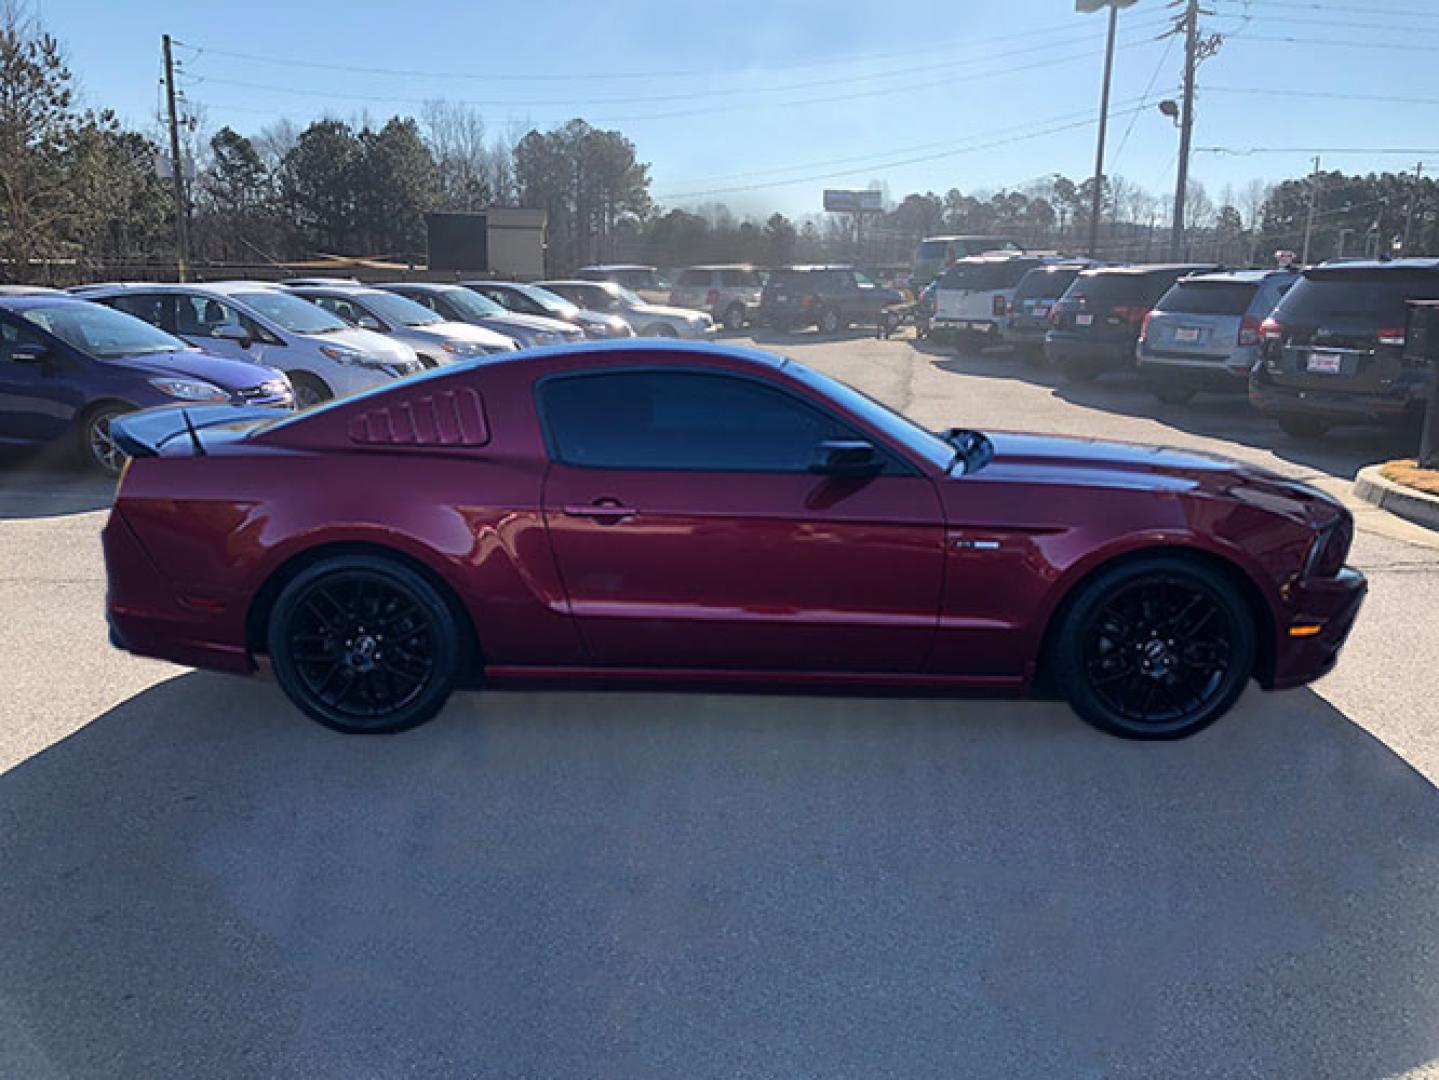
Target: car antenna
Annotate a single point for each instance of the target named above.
(194, 435)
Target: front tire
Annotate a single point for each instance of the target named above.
(309, 389)
(95, 448)
(1156, 648)
(830, 322)
(365, 645)
(660, 330)
(734, 318)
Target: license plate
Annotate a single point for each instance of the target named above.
(1040, 310)
(1325, 363)
(1084, 320)
(1186, 333)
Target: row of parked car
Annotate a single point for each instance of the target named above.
(1313, 347)
(71, 362)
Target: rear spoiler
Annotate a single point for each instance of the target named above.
(146, 433)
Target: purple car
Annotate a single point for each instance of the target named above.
(68, 367)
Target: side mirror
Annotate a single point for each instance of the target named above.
(845, 457)
(369, 322)
(232, 332)
(30, 352)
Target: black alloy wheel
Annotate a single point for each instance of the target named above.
(365, 645)
(1155, 649)
(309, 390)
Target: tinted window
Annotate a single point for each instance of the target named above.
(1099, 289)
(101, 331)
(635, 279)
(1210, 297)
(1044, 284)
(295, 315)
(695, 279)
(399, 310)
(985, 276)
(202, 316)
(1376, 300)
(682, 421)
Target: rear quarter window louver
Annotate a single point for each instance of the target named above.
(447, 418)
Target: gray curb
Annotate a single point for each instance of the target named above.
(1403, 502)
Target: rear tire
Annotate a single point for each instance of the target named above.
(1155, 648)
(830, 322)
(660, 330)
(733, 319)
(365, 645)
(1302, 427)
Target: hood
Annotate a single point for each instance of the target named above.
(459, 331)
(667, 312)
(373, 345)
(226, 374)
(1081, 460)
(538, 324)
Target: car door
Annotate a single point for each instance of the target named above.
(869, 299)
(39, 399)
(690, 533)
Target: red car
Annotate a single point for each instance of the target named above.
(650, 513)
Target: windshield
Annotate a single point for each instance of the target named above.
(472, 305)
(100, 331)
(291, 312)
(393, 308)
(556, 305)
(1210, 297)
(921, 442)
(1044, 284)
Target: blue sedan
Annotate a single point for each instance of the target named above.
(68, 367)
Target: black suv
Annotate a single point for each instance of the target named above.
(829, 297)
(1095, 325)
(1333, 350)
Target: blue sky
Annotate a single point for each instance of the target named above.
(762, 105)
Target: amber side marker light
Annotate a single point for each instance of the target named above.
(1305, 630)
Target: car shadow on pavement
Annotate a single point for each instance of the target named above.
(1342, 452)
(34, 486)
(200, 883)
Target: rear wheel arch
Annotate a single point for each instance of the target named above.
(1254, 598)
(257, 617)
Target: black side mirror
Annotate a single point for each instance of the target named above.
(30, 352)
(845, 457)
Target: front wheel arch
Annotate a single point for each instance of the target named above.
(257, 617)
(1259, 608)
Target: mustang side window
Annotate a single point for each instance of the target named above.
(682, 421)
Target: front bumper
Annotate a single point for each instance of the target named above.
(1331, 604)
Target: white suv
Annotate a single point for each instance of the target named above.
(972, 297)
(265, 324)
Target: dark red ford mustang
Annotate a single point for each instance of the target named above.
(665, 513)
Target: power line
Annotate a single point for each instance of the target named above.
(1324, 95)
(1326, 8)
(877, 159)
(1067, 34)
(1144, 99)
(1386, 45)
(1248, 151)
(887, 165)
(707, 110)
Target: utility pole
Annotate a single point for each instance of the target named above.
(177, 169)
(1096, 205)
(1309, 218)
(1409, 214)
(1186, 126)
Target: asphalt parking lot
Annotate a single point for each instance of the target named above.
(196, 882)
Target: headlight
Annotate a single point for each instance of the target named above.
(1330, 547)
(342, 355)
(190, 389)
(276, 388)
(464, 348)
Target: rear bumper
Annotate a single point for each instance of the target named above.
(1104, 354)
(1332, 604)
(1393, 406)
(146, 616)
(1212, 372)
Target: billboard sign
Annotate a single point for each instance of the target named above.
(853, 201)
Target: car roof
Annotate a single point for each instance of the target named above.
(805, 268)
(1139, 269)
(720, 266)
(30, 290)
(423, 286)
(336, 290)
(1370, 266)
(967, 236)
(20, 302)
(1249, 277)
(574, 281)
(617, 266)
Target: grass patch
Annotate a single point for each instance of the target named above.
(1406, 471)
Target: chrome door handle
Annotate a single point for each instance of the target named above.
(604, 511)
